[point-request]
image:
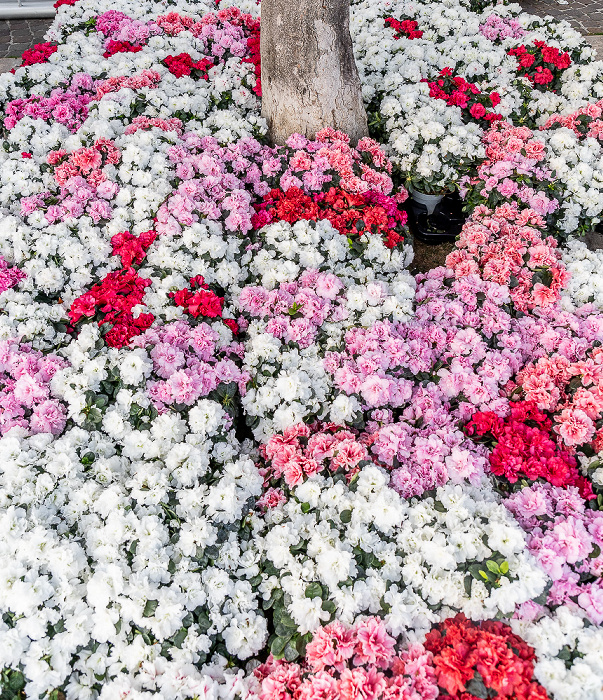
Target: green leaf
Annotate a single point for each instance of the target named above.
(504, 568)
(278, 646)
(345, 516)
(329, 606)
(179, 637)
(314, 590)
(493, 566)
(150, 607)
(291, 652)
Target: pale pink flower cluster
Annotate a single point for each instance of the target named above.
(566, 538)
(509, 246)
(349, 663)
(189, 362)
(426, 448)
(497, 28)
(514, 168)
(25, 396)
(450, 342)
(216, 182)
(570, 386)
(302, 451)
(221, 34)
(310, 165)
(142, 123)
(84, 187)
(145, 79)
(585, 122)
(295, 311)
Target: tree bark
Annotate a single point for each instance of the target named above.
(309, 77)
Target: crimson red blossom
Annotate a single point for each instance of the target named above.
(184, 65)
(524, 447)
(112, 47)
(458, 92)
(40, 53)
(351, 214)
(112, 301)
(404, 28)
(541, 64)
(199, 300)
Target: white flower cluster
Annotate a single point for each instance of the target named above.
(569, 654)
(126, 570)
(586, 282)
(372, 552)
(289, 384)
(578, 165)
(428, 141)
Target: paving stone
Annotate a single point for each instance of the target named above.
(586, 17)
(7, 64)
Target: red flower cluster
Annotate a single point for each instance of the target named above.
(112, 47)
(131, 249)
(199, 300)
(351, 214)
(58, 3)
(525, 449)
(471, 658)
(112, 300)
(406, 27)
(183, 64)
(253, 44)
(541, 64)
(39, 54)
(457, 92)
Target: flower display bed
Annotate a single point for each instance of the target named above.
(244, 452)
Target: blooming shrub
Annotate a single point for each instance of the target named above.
(332, 552)
(183, 64)
(566, 538)
(404, 28)
(27, 400)
(9, 276)
(112, 301)
(458, 92)
(341, 659)
(471, 659)
(301, 452)
(67, 106)
(508, 246)
(497, 28)
(524, 448)
(40, 53)
(541, 64)
(288, 341)
(584, 122)
(514, 167)
(352, 215)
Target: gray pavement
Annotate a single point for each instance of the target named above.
(585, 15)
(17, 35)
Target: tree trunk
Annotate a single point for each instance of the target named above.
(309, 77)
